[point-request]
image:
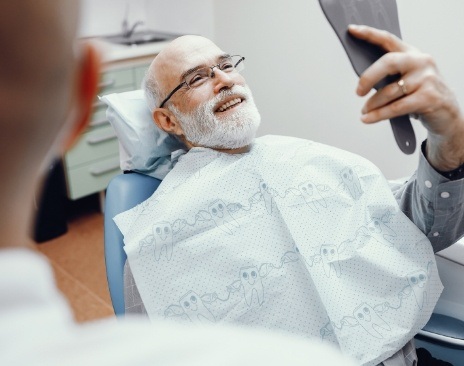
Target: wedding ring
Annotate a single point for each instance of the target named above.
(402, 86)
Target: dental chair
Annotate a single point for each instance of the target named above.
(443, 336)
(124, 192)
(142, 148)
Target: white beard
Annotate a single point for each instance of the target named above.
(202, 128)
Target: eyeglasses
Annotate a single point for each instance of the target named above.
(200, 76)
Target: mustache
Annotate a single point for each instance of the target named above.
(236, 90)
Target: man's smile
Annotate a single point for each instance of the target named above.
(232, 103)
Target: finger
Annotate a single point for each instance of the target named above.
(397, 108)
(386, 40)
(392, 63)
(390, 93)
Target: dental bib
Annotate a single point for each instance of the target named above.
(293, 236)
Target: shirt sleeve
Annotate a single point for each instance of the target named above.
(434, 203)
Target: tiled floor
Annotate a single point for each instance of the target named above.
(78, 261)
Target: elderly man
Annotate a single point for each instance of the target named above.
(179, 244)
(47, 87)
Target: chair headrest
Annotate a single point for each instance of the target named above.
(143, 147)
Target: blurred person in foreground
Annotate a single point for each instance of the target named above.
(47, 87)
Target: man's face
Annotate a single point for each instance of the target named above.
(232, 128)
(220, 113)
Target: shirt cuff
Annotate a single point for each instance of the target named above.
(442, 192)
(454, 174)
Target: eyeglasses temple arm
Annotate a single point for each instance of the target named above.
(240, 60)
(171, 94)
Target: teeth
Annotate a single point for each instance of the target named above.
(230, 103)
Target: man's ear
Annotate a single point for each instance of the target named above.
(88, 76)
(166, 121)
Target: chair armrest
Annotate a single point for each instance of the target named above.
(124, 192)
(445, 330)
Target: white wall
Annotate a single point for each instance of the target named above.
(181, 16)
(104, 17)
(303, 82)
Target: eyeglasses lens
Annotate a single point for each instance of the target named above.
(230, 64)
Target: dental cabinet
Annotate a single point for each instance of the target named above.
(94, 159)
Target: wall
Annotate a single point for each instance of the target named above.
(182, 16)
(104, 17)
(303, 82)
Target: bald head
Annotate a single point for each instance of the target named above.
(176, 56)
(43, 76)
(36, 39)
(165, 71)
(37, 35)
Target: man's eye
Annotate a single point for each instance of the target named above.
(227, 66)
(197, 79)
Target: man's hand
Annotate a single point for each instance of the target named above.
(424, 93)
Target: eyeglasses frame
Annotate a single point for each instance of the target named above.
(241, 59)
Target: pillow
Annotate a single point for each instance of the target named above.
(143, 147)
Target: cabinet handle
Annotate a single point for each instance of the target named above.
(99, 122)
(102, 138)
(105, 168)
(106, 84)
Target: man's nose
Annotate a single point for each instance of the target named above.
(222, 80)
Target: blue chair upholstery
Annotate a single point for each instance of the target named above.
(443, 337)
(124, 192)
